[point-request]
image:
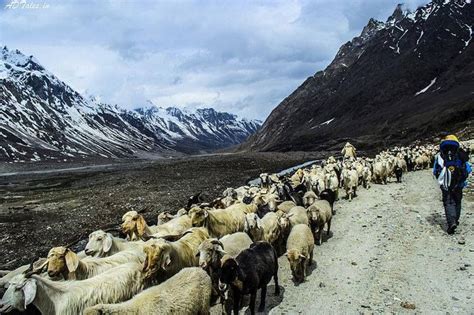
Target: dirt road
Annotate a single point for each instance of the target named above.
(388, 247)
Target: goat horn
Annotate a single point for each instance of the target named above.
(145, 237)
(217, 242)
(31, 271)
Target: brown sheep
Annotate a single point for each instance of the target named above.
(300, 247)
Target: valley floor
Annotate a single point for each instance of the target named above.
(50, 204)
(387, 247)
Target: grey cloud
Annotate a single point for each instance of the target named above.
(239, 56)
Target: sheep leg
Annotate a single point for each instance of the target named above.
(253, 297)
(263, 294)
(329, 226)
(275, 279)
(320, 235)
(237, 298)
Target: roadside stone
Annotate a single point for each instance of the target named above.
(410, 306)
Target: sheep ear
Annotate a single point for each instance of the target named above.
(302, 256)
(141, 225)
(259, 223)
(206, 214)
(286, 254)
(29, 290)
(72, 261)
(107, 243)
(246, 225)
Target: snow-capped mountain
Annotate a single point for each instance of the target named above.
(400, 80)
(203, 129)
(41, 117)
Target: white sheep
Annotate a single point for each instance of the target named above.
(187, 292)
(176, 226)
(102, 244)
(72, 297)
(219, 222)
(264, 229)
(164, 217)
(366, 177)
(332, 183)
(320, 214)
(63, 261)
(297, 215)
(286, 206)
(351, 181)
(211, 251)
(308, 198)
(164, 259)
(299, 250)
(135, 226)
(380, 172)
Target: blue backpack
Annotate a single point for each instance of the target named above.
(455, 161)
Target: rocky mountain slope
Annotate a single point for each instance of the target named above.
(410, 77)
(41, 117)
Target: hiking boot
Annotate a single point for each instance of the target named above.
(451, 229)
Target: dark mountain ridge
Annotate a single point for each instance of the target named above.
(408, 78)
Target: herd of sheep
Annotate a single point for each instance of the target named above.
(209, 252)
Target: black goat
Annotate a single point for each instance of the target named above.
(251, 270)
(398, 173)
(194, 200)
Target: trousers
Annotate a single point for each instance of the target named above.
(452, 205)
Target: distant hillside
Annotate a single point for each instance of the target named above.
(43, 118)
(410, 77)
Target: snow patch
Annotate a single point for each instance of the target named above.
(426, 88)
(327, 122)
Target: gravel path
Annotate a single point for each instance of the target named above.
(387, 248)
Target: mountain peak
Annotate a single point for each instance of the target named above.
(17, 58)
(372, 27)
(398, 15)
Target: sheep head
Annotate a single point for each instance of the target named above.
(297, 263)
(210, 252)
(252, 222)
(229, 273)
(284, 221)
(198, 216)
(99, 244)
(309, 198)
(62, 260)
(157, 257)
(272, 200)
(134, 225)
(20, 293)
(164, 217)
(313, 213)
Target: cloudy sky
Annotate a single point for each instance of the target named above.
(234, 55)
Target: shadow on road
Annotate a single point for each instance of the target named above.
(437, 219)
